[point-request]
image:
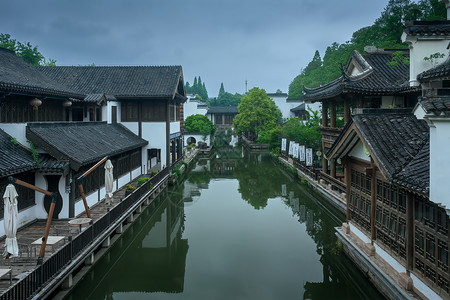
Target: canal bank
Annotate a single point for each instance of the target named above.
(382, 269)
(235, 213)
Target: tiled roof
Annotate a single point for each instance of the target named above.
(120, 81)
(223, 110)
(427, 28)
(47, 164)
(14, 158)
(435, 105)
(18, 76)
(377, 78)
(440, 71)
(82, 143)
(416, 174)
(397, 140)
(301, 107)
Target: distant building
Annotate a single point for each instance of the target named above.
(222, 116)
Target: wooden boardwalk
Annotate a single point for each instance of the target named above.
(28, 253)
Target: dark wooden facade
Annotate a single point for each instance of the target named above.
(406, 224)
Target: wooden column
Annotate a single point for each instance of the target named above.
(324, 114)
(373, 201)
(333, 167)
(168, 133)
(346, 111)
(140, 118)
(409, 232)
(348, 173)
(332, 115)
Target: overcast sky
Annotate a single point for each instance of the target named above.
(266, 42)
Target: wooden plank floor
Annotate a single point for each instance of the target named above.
(26, 262)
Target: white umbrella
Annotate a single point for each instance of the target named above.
(109, 181)
(11, 218)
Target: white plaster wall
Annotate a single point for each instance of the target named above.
(41, 183)
(109, 110)
(419, 112)
(358, 152)
(16, 130)
(155, 134)
(191, 108)
(285, 106)
(198, 138)
(439, 161)
(105, 116)
(424, 48)
(133, 127)
(174, 127)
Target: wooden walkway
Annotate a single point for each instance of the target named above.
(28, 253)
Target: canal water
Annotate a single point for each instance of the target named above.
(238, 227)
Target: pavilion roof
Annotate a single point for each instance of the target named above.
(376, 77)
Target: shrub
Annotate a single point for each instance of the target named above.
(129, 187)
(142, 180)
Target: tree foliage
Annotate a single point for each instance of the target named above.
(257, 113)
(384, 33)
(198, 88)
(199, 123)
(26, 51)
(225, 99)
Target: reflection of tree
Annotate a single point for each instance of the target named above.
(258, 179)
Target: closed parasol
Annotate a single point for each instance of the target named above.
(109, 180)
(11, 219)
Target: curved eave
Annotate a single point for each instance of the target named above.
(32, 91)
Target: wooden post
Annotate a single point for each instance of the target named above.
(333, 167)
(47, 227)
(324, 114)
(346, 111)
(332, 115)
(373, 201)
(80, 184)
(409, 232)
(348, 184)
(83, 196)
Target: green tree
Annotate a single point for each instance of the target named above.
(199, 123)
(188, 87)
(221, 91)
(257, 113)
(26, 51)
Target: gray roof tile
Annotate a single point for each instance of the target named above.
(18, 76)
(120, 81)
(83, 143)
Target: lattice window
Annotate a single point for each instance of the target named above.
(443, 283)
(419, 241)
(430, 248)
(419, 266)
(443, 255)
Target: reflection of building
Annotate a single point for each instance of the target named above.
(154, 261)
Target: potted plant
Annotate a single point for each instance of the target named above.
(129, 189)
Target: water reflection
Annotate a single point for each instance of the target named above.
(151, 257)
(253, 232)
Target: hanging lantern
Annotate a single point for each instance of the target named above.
(67, 103)
(35, 103)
